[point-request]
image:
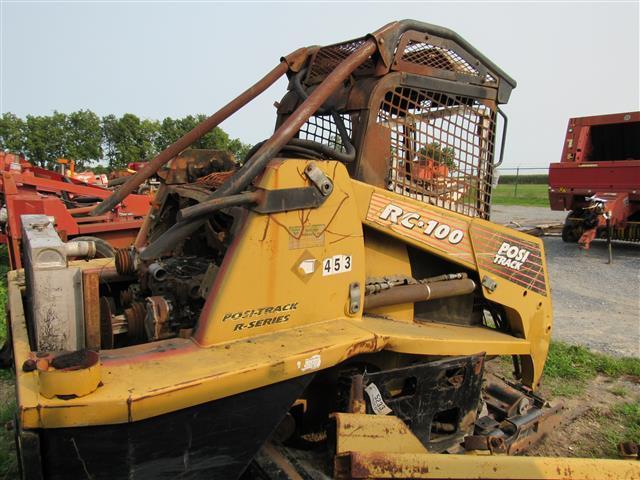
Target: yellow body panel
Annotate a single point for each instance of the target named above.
(378, 446)
(262, 278)
(528, 306)
(147, 380)
(274, 276)
(384, 258)
(487, 467)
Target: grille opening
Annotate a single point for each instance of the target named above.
(442, 148)
(328, 58)
(426, 54)
(323, 129)
(616, 141)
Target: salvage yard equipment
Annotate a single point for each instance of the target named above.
(27, 189)
(64, 196)
(598, 178)
(327, 309)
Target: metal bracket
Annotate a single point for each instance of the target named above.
(319, 179)
(489, 283)
(354, 298)
(287, 199)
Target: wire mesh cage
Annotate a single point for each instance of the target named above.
(442, 148)
(427, 54)
(323, 129)
(328, 58)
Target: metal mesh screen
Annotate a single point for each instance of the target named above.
(323, 129)
(421, 53)
(328, 58)
(441, 148)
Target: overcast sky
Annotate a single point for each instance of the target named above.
(171, 59)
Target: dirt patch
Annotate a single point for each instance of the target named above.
(581, 432)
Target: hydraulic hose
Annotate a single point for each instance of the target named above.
(350, 151)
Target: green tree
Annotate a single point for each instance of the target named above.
(128, 139)
(12, 133)
(83, 138)
(239, 149)
(45, 138)
(172, 129)
(109, 124)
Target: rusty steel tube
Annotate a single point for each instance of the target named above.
(79, 210)
(188, 138)
(156, 204)
(239, 180)
(210, 206)
(419, 293)
(356, 397)
(292, 125)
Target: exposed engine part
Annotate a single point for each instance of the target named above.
(136, 316)
(126, 261)
(81, 249)
(215, 179)
(208, 279)
(168, 298)
(156, 322)
(107, 330)
(127, 296)
(52, 285)
(128, 326)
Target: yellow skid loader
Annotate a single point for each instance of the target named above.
(324, 309)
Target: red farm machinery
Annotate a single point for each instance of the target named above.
(27, 189)
(598, 178)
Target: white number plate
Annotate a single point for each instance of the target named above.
(336, 264)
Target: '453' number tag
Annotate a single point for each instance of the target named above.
(336, 264)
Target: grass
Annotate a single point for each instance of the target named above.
(627, 416)
(619, 391)
(620, 423)
(8, 461)
(570, 367)
(538, 179)
(4, 268)
(527, 194)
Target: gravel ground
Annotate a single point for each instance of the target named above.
(525, 215)
(594, 304)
